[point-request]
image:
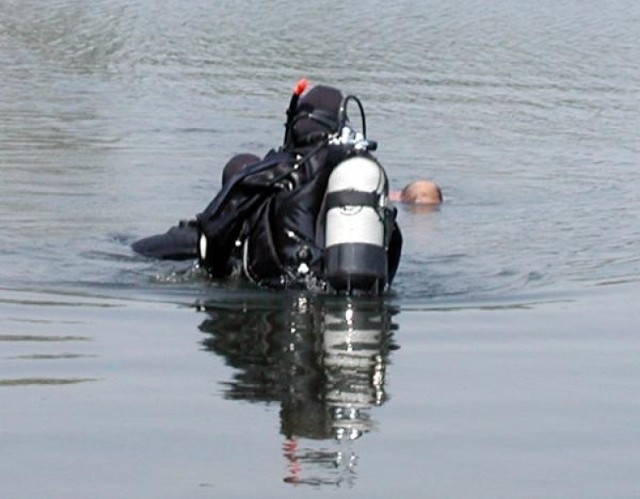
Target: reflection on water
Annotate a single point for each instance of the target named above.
(323, 359)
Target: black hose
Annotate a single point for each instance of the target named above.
(342, 113)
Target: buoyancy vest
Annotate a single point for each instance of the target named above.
(222, 221)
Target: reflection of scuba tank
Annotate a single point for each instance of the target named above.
(355, 254)
(354, 342)
(322, 358)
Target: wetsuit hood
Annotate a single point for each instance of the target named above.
(237, 164)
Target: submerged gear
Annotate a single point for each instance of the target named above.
(315, 211)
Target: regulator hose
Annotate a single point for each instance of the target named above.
(342, 113)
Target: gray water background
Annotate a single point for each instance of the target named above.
(503, 364)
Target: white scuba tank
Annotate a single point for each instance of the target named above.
(355, 256)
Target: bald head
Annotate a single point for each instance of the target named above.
(421, 192)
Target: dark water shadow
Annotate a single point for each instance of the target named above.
(322, 359)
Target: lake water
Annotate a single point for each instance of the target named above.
(505, 362)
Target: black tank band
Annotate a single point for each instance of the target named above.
(352, 198)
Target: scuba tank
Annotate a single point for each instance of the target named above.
(355, 256)
(358, 217)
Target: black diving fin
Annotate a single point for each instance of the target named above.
(178, 243)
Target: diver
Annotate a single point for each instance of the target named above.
(314, 212)
(421, 192)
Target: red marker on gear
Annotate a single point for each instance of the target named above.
(300, 86)
(293, 103)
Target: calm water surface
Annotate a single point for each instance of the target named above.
(503, 364)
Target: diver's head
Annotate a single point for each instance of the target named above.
(420, 192)
(317, 113)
